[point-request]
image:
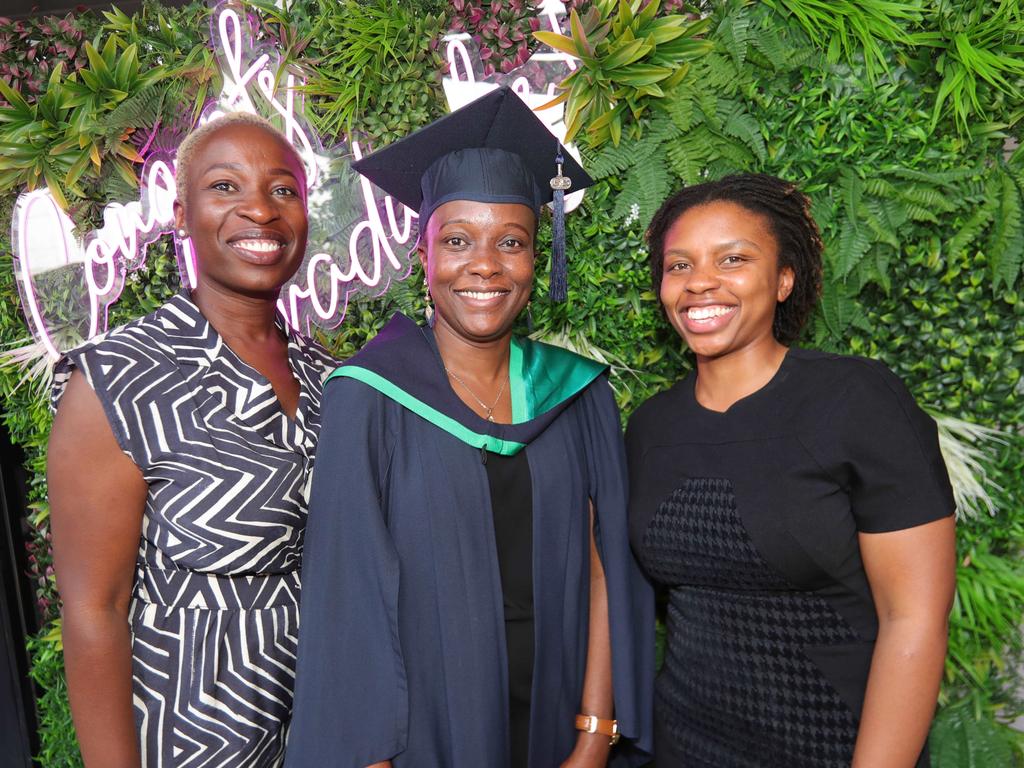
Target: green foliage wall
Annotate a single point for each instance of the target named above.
(897, 127)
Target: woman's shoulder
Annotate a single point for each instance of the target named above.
(848, 379)
(658, 409)
(822, 363)
(124, 353)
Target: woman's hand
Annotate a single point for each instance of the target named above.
(913, 577)
(97, 497)
(592, 751)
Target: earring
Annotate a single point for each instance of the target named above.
(529, 316)
(182, 234)
(428, 310)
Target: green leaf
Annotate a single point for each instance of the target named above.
(55, 187)
(97, 65)
(741, 125)
(641, 74)
(626, 54)
(579, 35)
(127, 65)
(1006, 244)
(838, 308)
(854, 242)
(558, 42)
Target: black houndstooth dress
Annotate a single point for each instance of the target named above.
(750, 519)
(214, 614)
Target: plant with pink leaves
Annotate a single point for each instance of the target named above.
(501, 28)
(31, 48)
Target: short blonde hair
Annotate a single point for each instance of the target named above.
(187, 148)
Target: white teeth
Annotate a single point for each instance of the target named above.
(706, 313)
(259, 246)
(482, 294)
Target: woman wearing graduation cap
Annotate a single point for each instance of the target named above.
(469, 596)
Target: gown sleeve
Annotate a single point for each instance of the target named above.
(630, 596)
(351, 706)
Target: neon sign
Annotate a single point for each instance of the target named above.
(359, 239)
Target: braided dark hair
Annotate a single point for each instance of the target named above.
(788, 212)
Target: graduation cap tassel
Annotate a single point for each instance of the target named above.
(559, 268)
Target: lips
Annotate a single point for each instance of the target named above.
(481, 295)
(258, 246)
(708, 318)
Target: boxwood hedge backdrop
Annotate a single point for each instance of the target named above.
(897, 117)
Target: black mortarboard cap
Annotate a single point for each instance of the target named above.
(493, 150)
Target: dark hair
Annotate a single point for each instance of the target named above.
(788, 212)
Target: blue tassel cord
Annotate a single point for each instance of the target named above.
(559, 286)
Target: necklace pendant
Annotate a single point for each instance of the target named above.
(490, 418)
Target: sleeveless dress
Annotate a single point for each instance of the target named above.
(214, 612)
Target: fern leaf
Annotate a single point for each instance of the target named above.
(769, 43)
(717, 73)
(978, 221)
(683, 112)
(853, 242)
(823, 210)
(852, 188)
(739, 124)
(962, 739)
(708, 103)
(838, 309)
(879, 187)
(1007, 240)
(644, 189)
(660, 127)
(142, 109)
(735, 155)
(689, 153)
(735, 35)
(884, 219)
(920, 213)
(938, 178)
(874, 268)
(612, 159)
(927, 197)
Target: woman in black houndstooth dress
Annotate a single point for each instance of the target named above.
(793, 503)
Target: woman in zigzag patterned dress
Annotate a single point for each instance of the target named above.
(178, 475)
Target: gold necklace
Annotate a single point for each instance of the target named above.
(490, 410)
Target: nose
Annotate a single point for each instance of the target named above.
(485, 262)
(258, 207)
(702, 278)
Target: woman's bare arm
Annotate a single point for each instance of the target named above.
(97, 497)
(592, 749)
(913, 576)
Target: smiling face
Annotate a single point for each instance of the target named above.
(478, 259)
(721, 279)
(245, 210)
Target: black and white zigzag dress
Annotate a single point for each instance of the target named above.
(215, 606)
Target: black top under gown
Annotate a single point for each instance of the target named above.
(512, 506)
(750, 519)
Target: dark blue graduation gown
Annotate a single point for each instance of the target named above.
(402, 639)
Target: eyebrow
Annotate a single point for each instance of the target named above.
(238, 167)
(728, 245)
(467, 221)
